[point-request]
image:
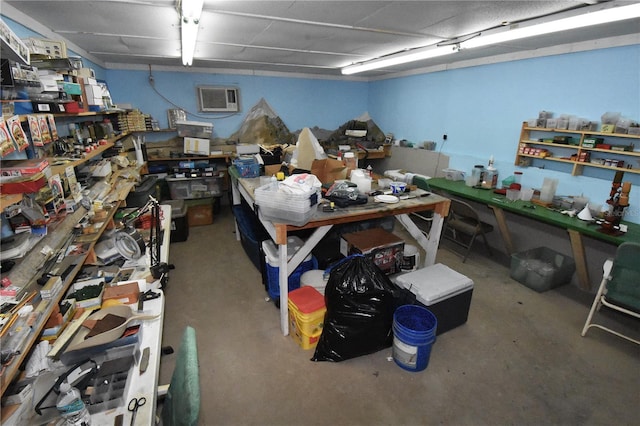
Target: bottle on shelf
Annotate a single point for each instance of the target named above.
(71, 407)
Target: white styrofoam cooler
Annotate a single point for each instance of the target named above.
(443, 291)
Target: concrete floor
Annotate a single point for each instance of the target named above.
(518, 360)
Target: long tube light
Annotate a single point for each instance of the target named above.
(591, 18)
(191, 11)
(596, 15)
(401, 58)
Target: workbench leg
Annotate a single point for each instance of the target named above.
(235, 200)
(283, 278)
(580, 259)
(429, 244)
(504, 229)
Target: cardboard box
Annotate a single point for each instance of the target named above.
(24, 167)
(608, 128)
(272, 169)
(200, 215)
(382, 247)
(329, 170)
(126, 293)
(94, 94)
(196, 146)
(23, 184)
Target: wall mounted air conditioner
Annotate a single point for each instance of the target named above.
(218, 99)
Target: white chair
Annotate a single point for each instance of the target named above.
(619, 288)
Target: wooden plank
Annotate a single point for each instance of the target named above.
(504, 228)
(579, 257)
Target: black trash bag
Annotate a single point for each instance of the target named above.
(360, 301)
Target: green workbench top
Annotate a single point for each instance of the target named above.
(523, 208)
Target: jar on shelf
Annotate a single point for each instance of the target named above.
(477, 175)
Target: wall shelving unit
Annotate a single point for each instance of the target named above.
(577, 154)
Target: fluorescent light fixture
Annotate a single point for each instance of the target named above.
(600, 14)
(400, 58)
(589, 16)
(191, 10)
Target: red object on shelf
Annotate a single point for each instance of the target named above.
(23, 167)
(72, 107)
(22, 185)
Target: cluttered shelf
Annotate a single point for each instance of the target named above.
(110, 357)
(68, 115)
(526, 126)
(58, 165)
(55, 247)
(611, 151)
(226, 157)
(28, 272)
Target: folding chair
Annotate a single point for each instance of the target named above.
(463, 225)
(181, 405)
(619, 288)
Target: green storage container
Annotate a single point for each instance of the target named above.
(71, 88)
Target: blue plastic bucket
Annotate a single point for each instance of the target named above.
(414, 331)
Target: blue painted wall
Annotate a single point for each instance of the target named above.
(481, 110)
(300, 102)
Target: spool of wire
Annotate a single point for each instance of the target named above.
(129, 243)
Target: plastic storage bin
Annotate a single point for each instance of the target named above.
(252, 233)
(272, 269)
(185, 188)
(306, 316)
(139, 196)
(542, 268)
(179, 224)
(282, 207)
(247, 168)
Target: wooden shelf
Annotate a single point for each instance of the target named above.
(7, 200)
(204, 157)
(82, 114)
(156, 131)
(580, 132)
(59, 168)
(578, 150)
